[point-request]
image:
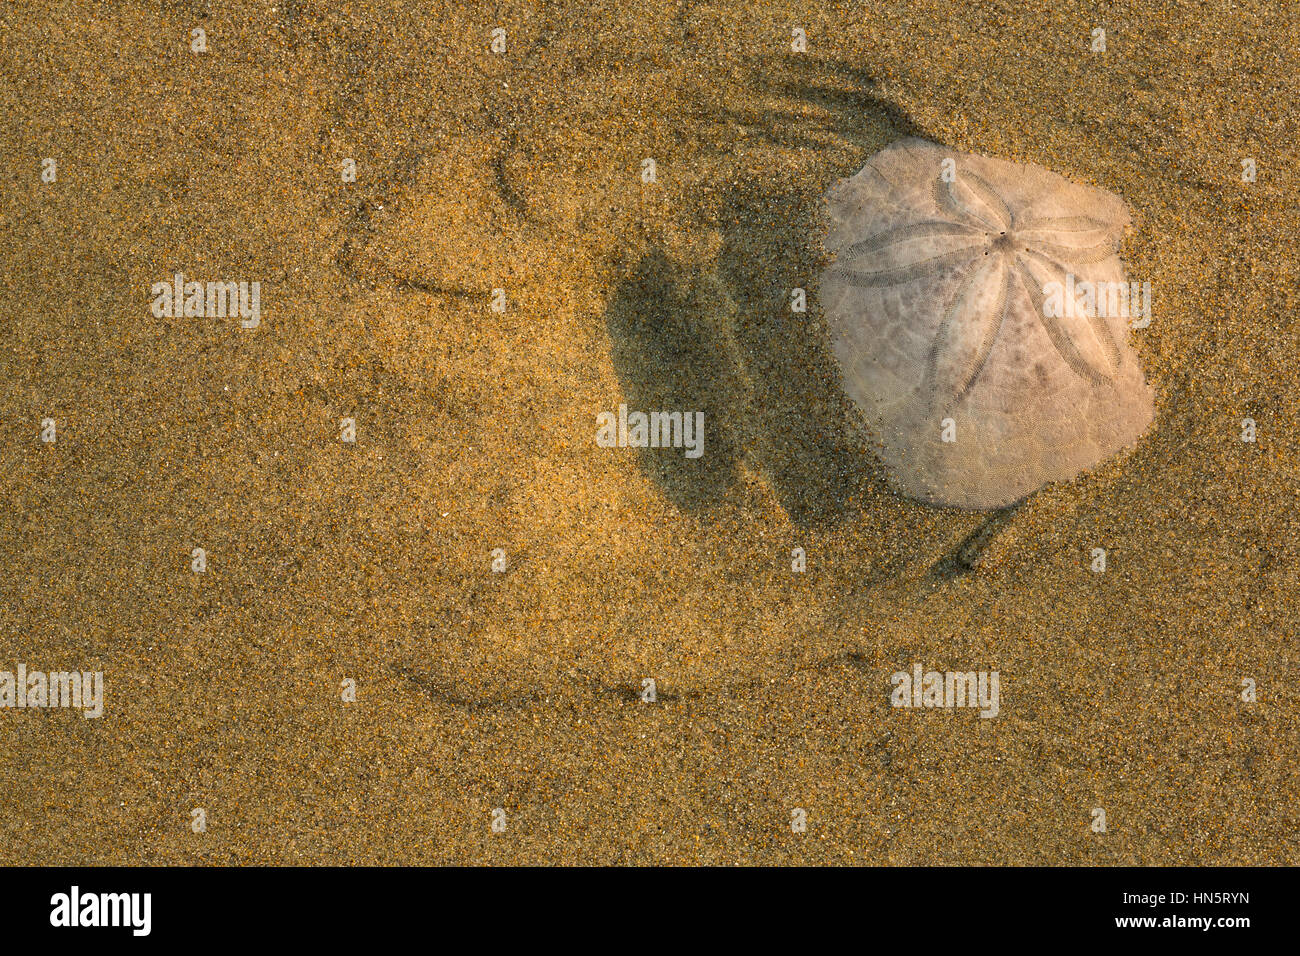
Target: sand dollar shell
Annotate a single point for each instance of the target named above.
(957, 305)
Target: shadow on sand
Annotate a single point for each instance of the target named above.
(721, 337)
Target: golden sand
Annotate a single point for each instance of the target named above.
(519, 690)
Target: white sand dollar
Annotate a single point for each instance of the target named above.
(959, 308)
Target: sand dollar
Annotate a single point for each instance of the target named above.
(980, 316)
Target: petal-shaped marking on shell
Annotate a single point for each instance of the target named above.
(964, 339)
(1074, 357)
(1083, 255)
(1061, 224)
(1096, 321)
(920, 230)
(990, 198)
(945, 198)
(913, 270)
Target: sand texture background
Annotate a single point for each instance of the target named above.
(519, 690)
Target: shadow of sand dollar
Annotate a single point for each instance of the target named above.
(816, 465)
(772, 246)
(672, 345)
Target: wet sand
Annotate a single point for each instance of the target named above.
(520, 689)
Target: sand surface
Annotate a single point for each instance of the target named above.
(519, 690)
